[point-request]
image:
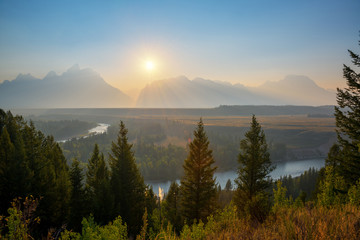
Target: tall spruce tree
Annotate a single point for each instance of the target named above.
(78, 208)
(253, 174)
(98, 187)
(127, 184)
(347, 115)
(198, 189)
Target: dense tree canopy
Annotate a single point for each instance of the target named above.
(31, 163)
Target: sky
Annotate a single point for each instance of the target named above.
(248, 42)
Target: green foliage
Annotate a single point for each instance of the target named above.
(223, 220)
(172, 207)
(98, 187)
(21, 218)
(115, 230)
(347, 115)
(253, 174)
(354, 194)
(196, 231)
(280, 199)
(158, 162)
(306, 183)
(15, 175)
(31, 163)
(332, 188)
(198, 190)
(78, 203)
(127, 184)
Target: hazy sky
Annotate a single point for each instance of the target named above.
(246, 42)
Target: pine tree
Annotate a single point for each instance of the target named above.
(253, 173)
(347, 115)
(78, 199)
(228, 186)
(98, 187)
(198, 188)
(127, 184)
(172, 206)
(54, 205)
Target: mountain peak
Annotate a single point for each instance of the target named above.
(299, 79)
(74, 88)
(74, 68)
(51, 74)
(24, 77)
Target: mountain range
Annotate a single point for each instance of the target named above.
(84, 88)
(182, 92)
(74, 88)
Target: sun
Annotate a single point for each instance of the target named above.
(149, 65)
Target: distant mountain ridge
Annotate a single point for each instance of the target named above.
(182, 92)
(74, 88)
(84, 88)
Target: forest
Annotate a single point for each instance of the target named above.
(94, 188)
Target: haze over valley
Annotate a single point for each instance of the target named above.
(85, 88)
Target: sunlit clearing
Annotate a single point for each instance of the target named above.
(149, 65)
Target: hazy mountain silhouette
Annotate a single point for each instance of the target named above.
(79, 88)
(182, 92)
(74, 88)
(296, 90)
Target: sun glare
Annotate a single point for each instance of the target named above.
(149, 65)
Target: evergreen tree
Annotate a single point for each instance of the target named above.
(172, 206)
(198, 189)
(253, 173)
(228, 186)
(127, 184)
(59, 193)
(347, 115)
(78, 199)
(98, 187)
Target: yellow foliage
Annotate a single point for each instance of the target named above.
(318, 223)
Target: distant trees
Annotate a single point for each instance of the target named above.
(347, 116)
(127, 184)
(253, 173)
(198, 190)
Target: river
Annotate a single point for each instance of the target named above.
(293, 168)
(100, 129)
